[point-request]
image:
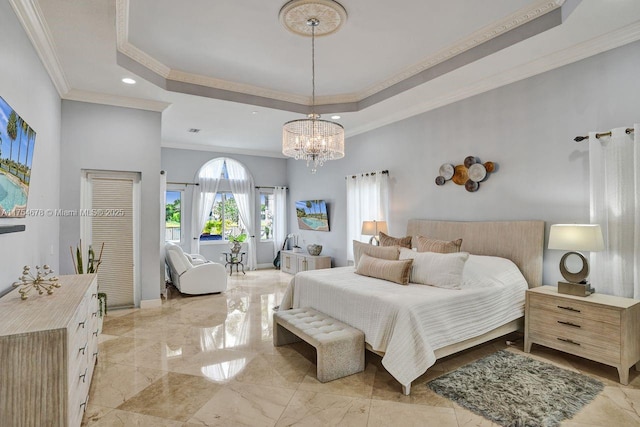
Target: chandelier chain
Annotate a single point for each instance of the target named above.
(313, 69)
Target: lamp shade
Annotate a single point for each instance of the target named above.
(373, 228)
(576, 237)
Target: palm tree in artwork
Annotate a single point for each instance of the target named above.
(31, 134)
(309, 204)
(22, 127)
(12, 131)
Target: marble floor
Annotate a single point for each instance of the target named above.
(209, 360)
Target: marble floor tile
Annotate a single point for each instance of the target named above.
(173, 396)
(356, 385)
(276, 370)
(308, 408)
(241, 404)
(117, 418)
(384, 413)
(113, 384)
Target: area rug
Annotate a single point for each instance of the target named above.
(513, 390)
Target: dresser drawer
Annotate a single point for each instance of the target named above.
(574, 309)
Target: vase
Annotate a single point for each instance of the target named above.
(314, 249)
(235, 247)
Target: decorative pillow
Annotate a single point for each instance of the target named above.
(481, 271)
(386, 240)
(383, 252)
(425, 244)
(391, 270)
(436, 269)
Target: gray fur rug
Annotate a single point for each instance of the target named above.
(517, 391)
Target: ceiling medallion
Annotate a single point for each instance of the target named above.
(295, 14)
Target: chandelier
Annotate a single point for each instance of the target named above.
(313, 139)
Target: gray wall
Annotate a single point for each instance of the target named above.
(182, 166)
(26, 87)
(527, 128)
(102, 137)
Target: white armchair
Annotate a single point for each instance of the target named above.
(192, 273)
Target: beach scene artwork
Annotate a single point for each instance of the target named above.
(312, 215)
(17, 139)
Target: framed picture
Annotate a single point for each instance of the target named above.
(17, 140)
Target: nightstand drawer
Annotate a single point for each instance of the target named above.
(603, 335)
(603, 354)
(576, 309)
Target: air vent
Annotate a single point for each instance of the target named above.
(194, 130)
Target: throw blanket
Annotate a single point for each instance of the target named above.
(407, 323)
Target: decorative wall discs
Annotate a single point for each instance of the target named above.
(470, 174)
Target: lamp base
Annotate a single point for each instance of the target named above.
(576, 289)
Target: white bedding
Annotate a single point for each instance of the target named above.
(408, 323)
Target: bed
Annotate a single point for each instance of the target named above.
(412, 326)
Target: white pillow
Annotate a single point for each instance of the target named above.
(436, 269)
(484, 271)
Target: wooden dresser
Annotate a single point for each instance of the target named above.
(48, 349)
(294, 262)
(599, 327)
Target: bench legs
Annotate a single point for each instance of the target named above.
(283, 336)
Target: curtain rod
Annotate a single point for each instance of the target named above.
(273, 188)
(384, 172)
(183, 183)
(598, 135)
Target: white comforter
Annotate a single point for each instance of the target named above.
(408, 323)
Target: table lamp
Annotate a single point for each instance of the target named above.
(373, 229)
(574, 238)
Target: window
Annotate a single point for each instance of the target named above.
(173, 217)
(223, 220)
(266, 216)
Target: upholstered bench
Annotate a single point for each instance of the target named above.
(339, 347)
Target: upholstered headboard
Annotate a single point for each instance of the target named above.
(520, 241)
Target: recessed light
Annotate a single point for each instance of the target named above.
(254, 112)
(129, 81)
(194, 130)
(336, 117)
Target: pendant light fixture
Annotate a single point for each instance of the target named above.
(313, 139)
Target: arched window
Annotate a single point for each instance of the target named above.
(224, 204)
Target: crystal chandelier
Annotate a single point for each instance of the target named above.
(313, 139)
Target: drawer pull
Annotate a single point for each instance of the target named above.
(82, 349)
(94, 295)
(94, 314)
(569, 324)
(83, 406)
(569, 308)
(95, 334)
(95, 354)
(82, 324)
(83, 376)
(568, 341)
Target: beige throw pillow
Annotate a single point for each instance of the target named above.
(436, 269)
(388, 252)
(425, 244)
(386, 240)
(391, 270)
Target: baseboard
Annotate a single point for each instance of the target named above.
(151, 303)
(265, 266)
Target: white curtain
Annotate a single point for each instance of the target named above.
(367, 200)
(280, 217)
(244, 192)
(614, 166)
(208, 179)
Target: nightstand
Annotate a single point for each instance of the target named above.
(599, 327)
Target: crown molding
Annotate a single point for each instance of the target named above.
(225, 150)
(516, 19)
(586, 49)
(30, 16)
(115, 100)
(508, 23)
